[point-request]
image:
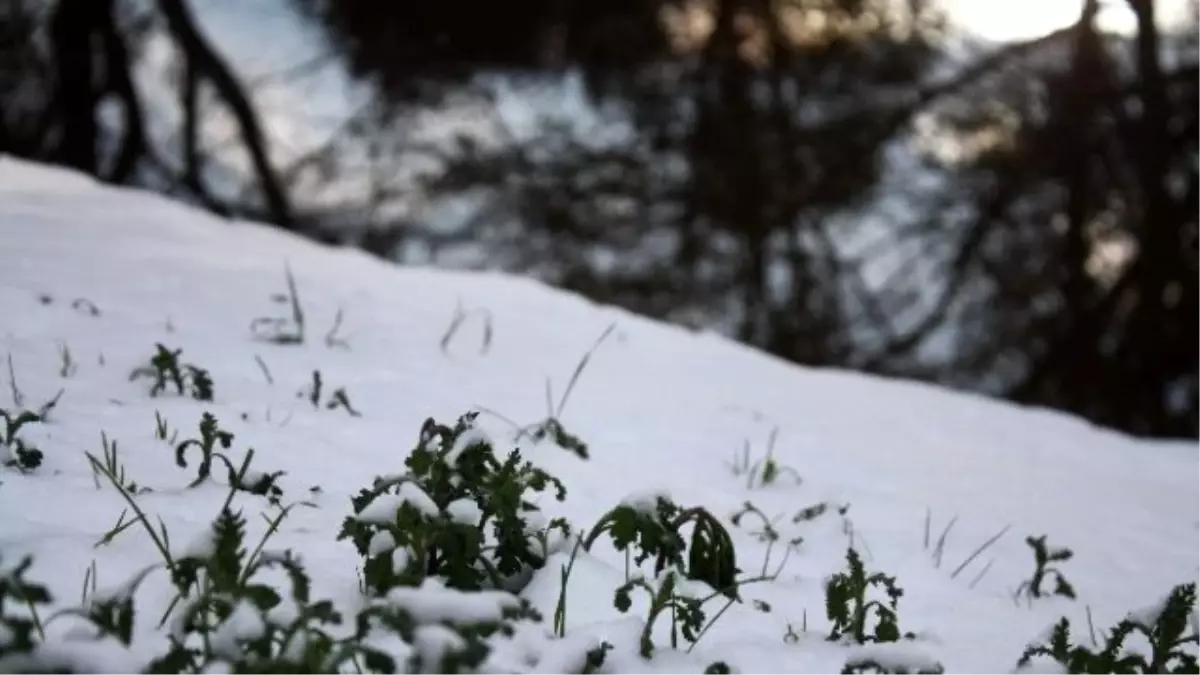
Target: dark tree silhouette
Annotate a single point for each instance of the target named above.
(1085, 222)
(53, 96)
(752, 124)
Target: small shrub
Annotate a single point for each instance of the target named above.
(458, 512)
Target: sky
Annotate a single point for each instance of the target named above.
(1006, 20)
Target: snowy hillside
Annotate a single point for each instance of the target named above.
(915, 478)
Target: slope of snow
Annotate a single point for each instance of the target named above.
(662, 409)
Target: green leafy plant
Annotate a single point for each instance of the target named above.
(1044, 557)
(687, 617)
(166, 370)
(19, 634)
(282, 330)
(458, 512)
(849, 609)
(20, 455)
(212, 440)
(655, 531)
(1164, 627)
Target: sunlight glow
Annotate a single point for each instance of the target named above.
(1010, 20)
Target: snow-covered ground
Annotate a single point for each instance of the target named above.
(662, 409)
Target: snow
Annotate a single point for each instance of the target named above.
(662, 409)
(384, 507)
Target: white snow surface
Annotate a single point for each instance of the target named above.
(663, 409)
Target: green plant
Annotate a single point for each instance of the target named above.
(458, 512)
(282, 330)
(337, 399)
(213, 439)
(166, 369)
(163, 430)
(20, 454)
(849, 609)
(768, 535)
(654, 529)
(687, 617)
(111, 464)
(1165, 628)
(551, 427)
(1043, 557)
(18, 634)
(564, 575)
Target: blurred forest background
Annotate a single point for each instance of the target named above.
(842, 183)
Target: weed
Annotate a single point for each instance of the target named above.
(212, 440)
(332, 339)
(19, 635)
(849, 609)
(67, 367)
(765, 471)
(163, 431)
(85, 305)
(338, 398)
(939, 550)
(459, 318)
(551, 427)
(262, 365)
(17, 397)
(111, 466)
(1165, 628)
(687, 618)
(767, 534)
(560, 608)
(1043, 557)
(281, 330)
(20, 454)
(167, 370)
